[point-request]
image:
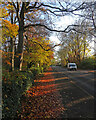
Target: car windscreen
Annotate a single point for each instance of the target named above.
(72, 65)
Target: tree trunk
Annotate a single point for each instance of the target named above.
(12, 47)
(84, 51)
(13, 52)
(19, 53)
(78, 52)
(20, 46)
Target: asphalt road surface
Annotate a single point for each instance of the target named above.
(77, 91)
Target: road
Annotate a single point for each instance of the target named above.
(77, 91)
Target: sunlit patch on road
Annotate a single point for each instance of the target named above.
(92, 71)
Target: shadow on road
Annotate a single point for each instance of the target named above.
(56, 96)
(77, 102)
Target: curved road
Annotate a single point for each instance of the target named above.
(77, 91)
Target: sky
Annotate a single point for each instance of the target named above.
(63, 23)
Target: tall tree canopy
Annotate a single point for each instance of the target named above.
(38, 15)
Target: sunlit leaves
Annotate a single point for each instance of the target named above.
(3, 12)
(6, 58)
(10, 30)
(10, 7)
(35, 53)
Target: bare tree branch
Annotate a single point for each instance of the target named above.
(41, 25)
(30, 8)
(47, 46)
(80, 7)
(53, 12)
(93, 20)
(17, 12)
(42, 46)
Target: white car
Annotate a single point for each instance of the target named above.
(72, 66)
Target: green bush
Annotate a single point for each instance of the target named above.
(41, 69)
(35, 70)
(88, 63)
(14, 85)
(45, 67)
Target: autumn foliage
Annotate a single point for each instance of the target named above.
(35, 56)
(9, 30)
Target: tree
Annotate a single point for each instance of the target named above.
(24, 8)
(74, 46)
(36, 55)
(9, 32)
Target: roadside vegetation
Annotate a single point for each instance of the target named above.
(16, 82)
(88, 63)
(20, 69)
